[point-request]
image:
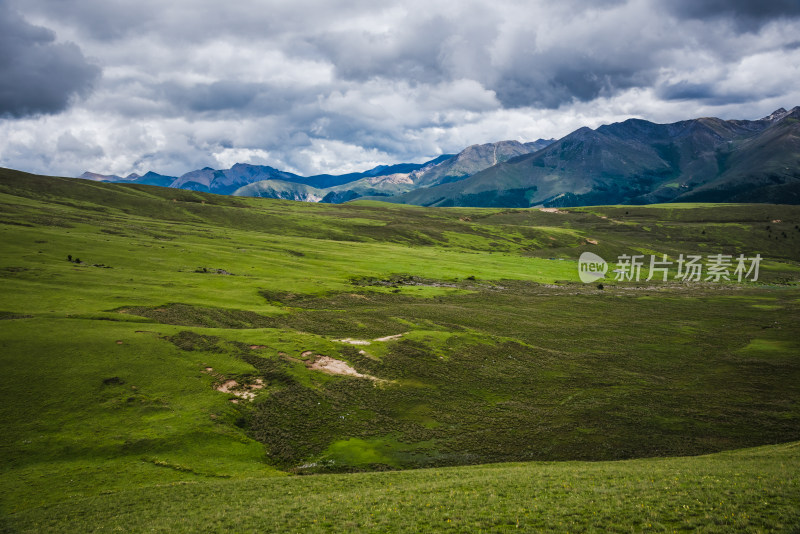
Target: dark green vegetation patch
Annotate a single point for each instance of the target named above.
(186, 315)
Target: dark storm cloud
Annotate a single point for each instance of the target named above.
(748, 15)
(687, 91)
(565, 78)
(230, 98)
(216, 96)
(598, 57)
(194, 20)
(426, 49)
(101, 19)
(701, 92)
(38, 75)
(585, 54)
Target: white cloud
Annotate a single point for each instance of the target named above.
(337, 157)
(228, 157)
(340, 85)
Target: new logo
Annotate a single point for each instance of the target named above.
(591, 267)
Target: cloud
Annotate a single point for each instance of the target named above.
(38, 75)
(747, 15)
(67, 142)
(314, 86)
(220, 95)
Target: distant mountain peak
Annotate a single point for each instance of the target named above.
(776, 115)
(96, 177)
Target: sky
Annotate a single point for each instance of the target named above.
(316, 86)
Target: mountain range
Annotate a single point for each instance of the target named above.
(640, 162)
(382, 181)
(631, 162)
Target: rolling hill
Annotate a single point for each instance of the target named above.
(378, 186)
(171, 358)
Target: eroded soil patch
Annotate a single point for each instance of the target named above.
(332, 366)
(243, 390)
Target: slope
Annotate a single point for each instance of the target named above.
(473, 159)
(378, 186)
(226, 181)
(154, 336)
(749, 490)
(386, 181)
(763, 168)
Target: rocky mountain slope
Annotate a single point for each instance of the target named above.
(384, 180)
(640, 162)
(473, 159)
(291, 186)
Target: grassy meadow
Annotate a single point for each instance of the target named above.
(532, 400)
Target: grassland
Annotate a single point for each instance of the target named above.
(745, 491)
(497, 354)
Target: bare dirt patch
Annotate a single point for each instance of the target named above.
(332, 366)
(227, 386)
(350, 341)
(552, 210)
(389, 338)
(232, 387)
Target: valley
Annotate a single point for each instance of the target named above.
(207, 349)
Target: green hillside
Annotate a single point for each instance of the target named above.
(755, 490)
(173, 347)
(377, 186)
